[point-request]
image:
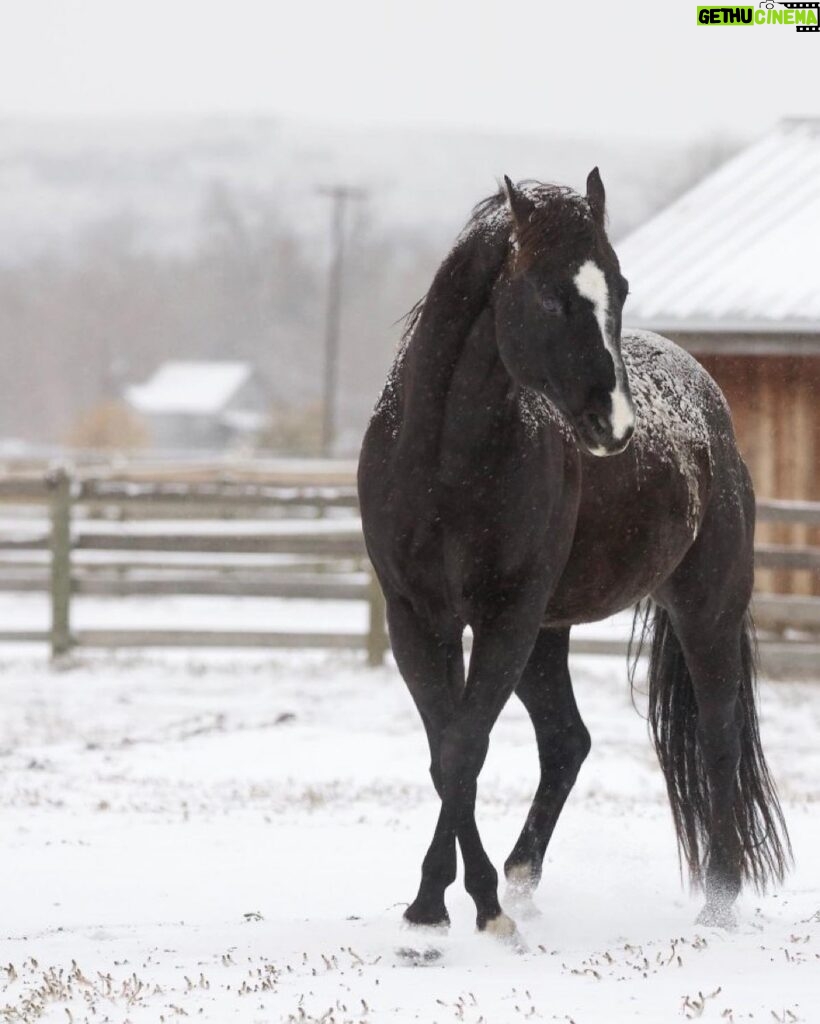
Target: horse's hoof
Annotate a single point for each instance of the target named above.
(424, 922)
(522, 878)
(435, 918)
(419, 957)
(522, 882)
(504, 930)
(522, 903)
(716, 915)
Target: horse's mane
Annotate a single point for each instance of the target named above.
(560, 218)
(411, 319)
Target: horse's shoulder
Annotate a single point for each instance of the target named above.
(670, 386)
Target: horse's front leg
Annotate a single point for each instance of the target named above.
(501, 647)
(433, 669)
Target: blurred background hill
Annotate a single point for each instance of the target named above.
(126, 242)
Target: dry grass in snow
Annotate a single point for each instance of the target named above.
(233, 838)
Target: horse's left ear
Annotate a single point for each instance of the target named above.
(596, 196)
(520, 205)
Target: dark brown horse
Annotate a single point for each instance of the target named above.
(487, 502)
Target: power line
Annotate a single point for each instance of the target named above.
(339, 195)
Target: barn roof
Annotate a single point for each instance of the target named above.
(739, 251)
(189, 387)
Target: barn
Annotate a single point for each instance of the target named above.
(729, 271)
(200, 404)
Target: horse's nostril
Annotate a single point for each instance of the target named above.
(596, 423)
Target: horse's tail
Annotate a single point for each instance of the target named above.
(673, 716)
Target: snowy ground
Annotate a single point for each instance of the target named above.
(231, 837)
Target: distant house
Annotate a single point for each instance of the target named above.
(729, 271)
(197, 404)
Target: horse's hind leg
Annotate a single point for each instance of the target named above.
(725, 806)
(716, 669)
(704, 718)
(545, 689)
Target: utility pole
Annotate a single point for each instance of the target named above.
(339, 196)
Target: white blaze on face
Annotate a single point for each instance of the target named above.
(591, 284)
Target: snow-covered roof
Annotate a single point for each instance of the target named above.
(739, 251)
(189, 387)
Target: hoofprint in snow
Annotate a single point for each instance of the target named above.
(229, 837)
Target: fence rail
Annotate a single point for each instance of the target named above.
(290, 532)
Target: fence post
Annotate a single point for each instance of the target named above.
(377, 642)
(60, 484)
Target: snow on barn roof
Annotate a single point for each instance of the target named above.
(189, 387)
(739, 251)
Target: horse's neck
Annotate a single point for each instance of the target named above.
(457, 297)
(480, 398)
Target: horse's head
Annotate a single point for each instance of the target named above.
(558, 306)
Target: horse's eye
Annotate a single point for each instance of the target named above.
(623, 289)
(551, 305)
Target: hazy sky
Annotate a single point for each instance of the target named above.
(591, 66)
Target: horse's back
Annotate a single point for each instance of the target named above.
(642, 511)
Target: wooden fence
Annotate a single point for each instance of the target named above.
(194, 533)
(291, 532)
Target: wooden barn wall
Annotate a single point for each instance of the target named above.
(775, 403)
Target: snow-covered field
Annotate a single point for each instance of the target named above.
(232, 838)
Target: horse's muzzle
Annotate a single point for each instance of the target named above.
(602, 434)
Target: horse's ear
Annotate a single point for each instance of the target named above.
(520, 206)
(596, 196)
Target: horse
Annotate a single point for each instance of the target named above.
(529, 466)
